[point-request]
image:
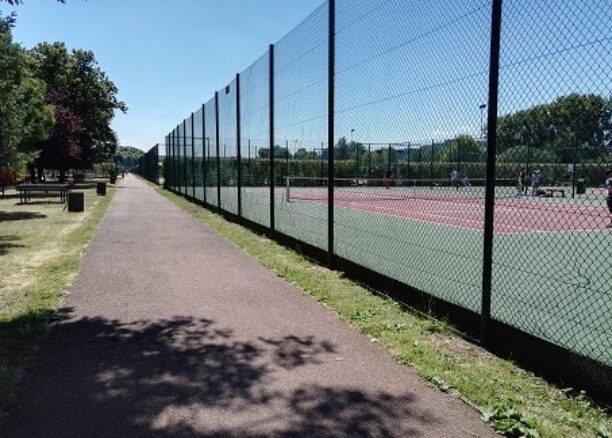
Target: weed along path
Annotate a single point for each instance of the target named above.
(171, 331)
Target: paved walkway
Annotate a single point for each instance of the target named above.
(171, 331)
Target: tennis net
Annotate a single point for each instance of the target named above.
(392, 189)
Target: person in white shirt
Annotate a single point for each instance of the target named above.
(536, 180)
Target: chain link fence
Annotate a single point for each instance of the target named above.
(368, 133)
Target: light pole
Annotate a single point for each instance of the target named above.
(286, 158)
(482, 107)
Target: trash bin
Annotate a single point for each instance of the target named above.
(101, 188)
(581, 186)
(76, 202)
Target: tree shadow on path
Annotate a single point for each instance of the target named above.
(185, 376)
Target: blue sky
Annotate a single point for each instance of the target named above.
(406, 70)
(166, 56)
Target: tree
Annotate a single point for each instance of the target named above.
(25, 118)
(128, 156)
(86, 93)
(580, 123)
(464, 148)
(521, 154)
(279, 152)
(62, 150)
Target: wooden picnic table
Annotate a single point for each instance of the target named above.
(26, 190)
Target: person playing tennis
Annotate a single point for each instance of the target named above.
(608, 185)
(388, 177)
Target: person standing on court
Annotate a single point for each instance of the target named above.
(455, 177)
(522, 182)
(608, 186)
(387, 177)
(536, 181)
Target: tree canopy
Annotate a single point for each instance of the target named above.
(25, 117)
(581, 122)
(85, 97)
(128, 156)
(463, 149)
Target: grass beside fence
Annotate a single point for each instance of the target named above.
(41, 248)
(511, 399)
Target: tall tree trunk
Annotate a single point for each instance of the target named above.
(32, 172)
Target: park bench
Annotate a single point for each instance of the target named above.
(26, 190)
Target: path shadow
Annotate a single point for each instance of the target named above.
(7, 242)
(20, 215)
(190, 377)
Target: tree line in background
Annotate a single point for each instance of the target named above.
(566, 139)
(572, 128)
(127, 157)
(56, 107)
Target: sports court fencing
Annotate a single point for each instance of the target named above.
(149, 165)
(458, 148)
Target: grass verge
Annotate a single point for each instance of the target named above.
(516, 402)
(41, 247)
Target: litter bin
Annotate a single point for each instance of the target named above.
(76, 202)
(101, 188)
(581, 186)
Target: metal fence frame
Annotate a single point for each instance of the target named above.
(491, 333)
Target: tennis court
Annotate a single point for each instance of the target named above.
(550, 254)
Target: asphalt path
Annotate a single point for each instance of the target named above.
(171, 331)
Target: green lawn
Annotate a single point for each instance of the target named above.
(41, 247)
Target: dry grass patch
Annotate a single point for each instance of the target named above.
(41, 246)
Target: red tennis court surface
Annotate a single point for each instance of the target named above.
(512, 215)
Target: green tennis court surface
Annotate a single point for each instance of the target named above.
(554, 284)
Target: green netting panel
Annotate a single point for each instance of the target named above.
(210, 150)
(228, 148)
(189, 162)
(551, 266)
(255, 141)
(198, 138)
(300, 113)
(401, 95)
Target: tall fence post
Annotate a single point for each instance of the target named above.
(185, 182)
(204, 152)
(487, 267)
(178, 161)
(174, 161)
(238, 143)
(193, 167)
(271, 116)
(217, 149)
(331, 72)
